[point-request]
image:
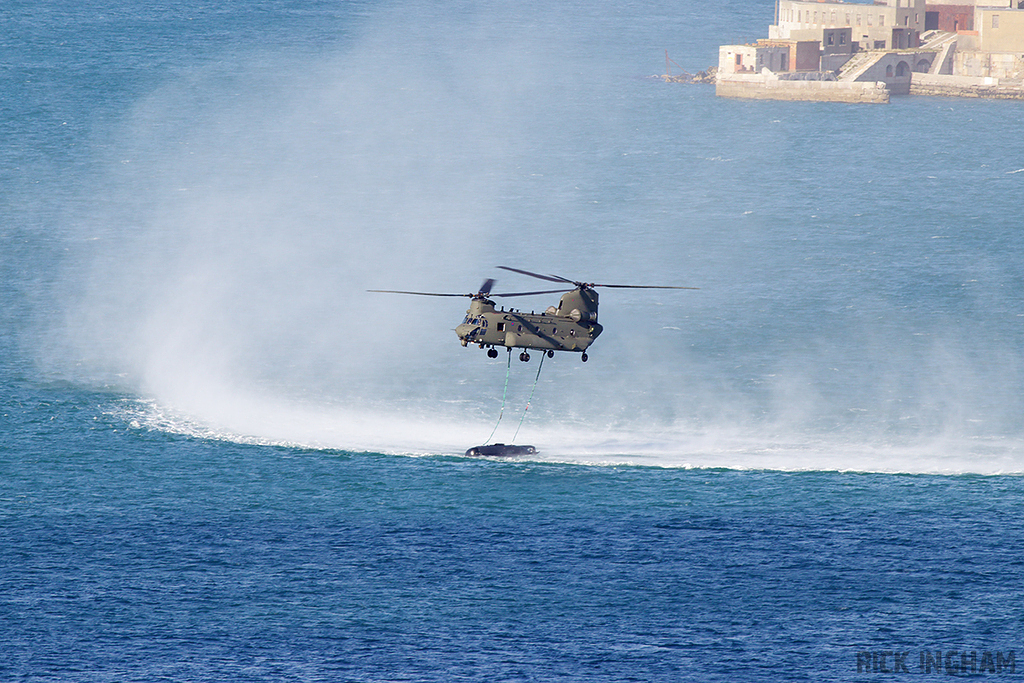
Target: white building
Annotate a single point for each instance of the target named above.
(880, 25)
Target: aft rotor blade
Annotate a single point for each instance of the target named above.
(643, 287)
(549, 278)
(547, 291)
(396, 291)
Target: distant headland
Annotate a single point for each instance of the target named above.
(866, 52)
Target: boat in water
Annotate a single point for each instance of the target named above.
(500, 450)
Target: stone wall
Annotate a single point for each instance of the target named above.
(995, 64)
(938, 85)
(761, 87)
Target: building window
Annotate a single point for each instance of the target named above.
(995, 21)
(831, 39)
(869, 20)
(842, 39)
(739, 60)
(847, 18)
(858, 20)
(906, 20)
(881, 20)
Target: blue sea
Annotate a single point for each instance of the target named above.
(223, 459)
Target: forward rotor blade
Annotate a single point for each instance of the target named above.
(644, 287)
(547, 291)
(396, 291)
(485, 288)
(549, 278)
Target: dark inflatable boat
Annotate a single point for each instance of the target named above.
(500, 450)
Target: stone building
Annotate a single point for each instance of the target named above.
(994, 47)
(999, 29)
(880, 25)
(775, 55)
(863, 52)
(943, 17)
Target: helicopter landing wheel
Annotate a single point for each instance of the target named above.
(584, 358)
(524, 356)
(492, 353)
(551, 354)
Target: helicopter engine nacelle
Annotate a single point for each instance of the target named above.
(580, 305)
(579, 316)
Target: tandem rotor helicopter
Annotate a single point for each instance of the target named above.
(571, 326)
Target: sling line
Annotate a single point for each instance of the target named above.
(542, 356)
(504, 392)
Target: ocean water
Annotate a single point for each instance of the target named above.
(223, 459)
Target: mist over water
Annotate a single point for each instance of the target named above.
(860, 267)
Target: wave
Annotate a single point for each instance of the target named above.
(354, 430)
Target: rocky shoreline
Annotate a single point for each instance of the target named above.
(707, 76)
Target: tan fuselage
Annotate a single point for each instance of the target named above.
(556, 329)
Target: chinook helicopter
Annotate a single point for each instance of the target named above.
(570, 326)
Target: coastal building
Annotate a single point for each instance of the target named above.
(989, 38)
(999, 30)
(880, 25)
(775, 55)
(951, 17)
(867, 51)
(960, 16)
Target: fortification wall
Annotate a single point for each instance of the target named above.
(759, 87)
(994, 64)
(940, 85)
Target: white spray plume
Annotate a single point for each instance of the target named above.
(223, 270)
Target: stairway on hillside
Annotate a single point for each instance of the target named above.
(861, 62)
(942, 57)
(934, 40)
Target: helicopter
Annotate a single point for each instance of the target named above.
(570, 326)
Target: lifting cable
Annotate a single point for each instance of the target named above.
(542, 356)
(504, 392)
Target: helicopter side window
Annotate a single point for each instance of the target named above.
(501, 327)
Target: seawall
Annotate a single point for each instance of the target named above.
(938, 85)
(763, 87)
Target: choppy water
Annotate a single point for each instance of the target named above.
(222, 459)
